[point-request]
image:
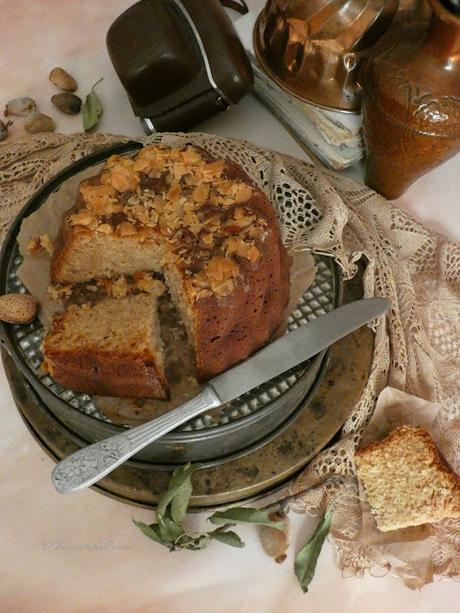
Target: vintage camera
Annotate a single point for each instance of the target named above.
(180, 61)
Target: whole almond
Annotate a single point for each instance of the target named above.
(18, 308)
(275, 542)
(67, 103)
(38, 122)
(20, 106)
(63, 80)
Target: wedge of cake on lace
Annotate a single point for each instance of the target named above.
(407, 481)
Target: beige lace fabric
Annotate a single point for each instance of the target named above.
(417, 348)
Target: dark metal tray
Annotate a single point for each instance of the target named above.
(235, 427)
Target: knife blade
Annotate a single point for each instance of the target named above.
(89, 465)
(296, 347)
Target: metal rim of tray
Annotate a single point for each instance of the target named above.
(6, 332)
(79, 439)
(257, 474)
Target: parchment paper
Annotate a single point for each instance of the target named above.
(34, 274)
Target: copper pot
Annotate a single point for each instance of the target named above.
(313, 48)
(411, 101)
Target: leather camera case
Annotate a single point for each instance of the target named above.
(180, 61)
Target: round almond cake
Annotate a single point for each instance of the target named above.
(179, 217)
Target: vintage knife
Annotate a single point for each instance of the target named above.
(85, 467)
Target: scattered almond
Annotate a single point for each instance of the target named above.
(39, 122)
(18, 308)
(275, 542)
(82, 218)
(63, 80)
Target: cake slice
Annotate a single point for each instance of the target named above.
(407, 481)
(111, 348)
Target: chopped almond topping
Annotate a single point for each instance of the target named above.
(201, 193)
(134, 199)
(82, 218)
(124, 176)
(204, 293)
(253, 253)
(207, 240)
(224, 188)
(191, 156)
(179, 170)
(191, 203)
(220, 268)
(126, 229)
(105, 228)
(225, 288)
(236, 246)
(242, 193)
(40, 243)
(174, 192)
(191, 180)
(213, 170)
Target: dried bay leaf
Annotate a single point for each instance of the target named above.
(245, 515)
(91, 109)
(306, 559)
(226, 536)
(172, 508)
(178, 492)
(151, 531)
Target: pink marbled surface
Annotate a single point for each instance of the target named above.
(81, 553)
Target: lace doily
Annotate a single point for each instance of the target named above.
(417, 350)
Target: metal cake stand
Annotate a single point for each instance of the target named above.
(231, 429)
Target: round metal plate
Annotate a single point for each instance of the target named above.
(258, 473)
(235, 427)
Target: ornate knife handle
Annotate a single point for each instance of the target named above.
(85, 467)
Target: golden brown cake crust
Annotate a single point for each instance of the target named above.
(235, 271)
(107, 374)
(231, 330)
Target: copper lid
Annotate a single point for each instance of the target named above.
(313, 48)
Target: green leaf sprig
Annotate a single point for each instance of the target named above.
(172, 506)
(307, 558)
(91, 109)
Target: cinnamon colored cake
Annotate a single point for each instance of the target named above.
(112, 347)
(202, 224)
